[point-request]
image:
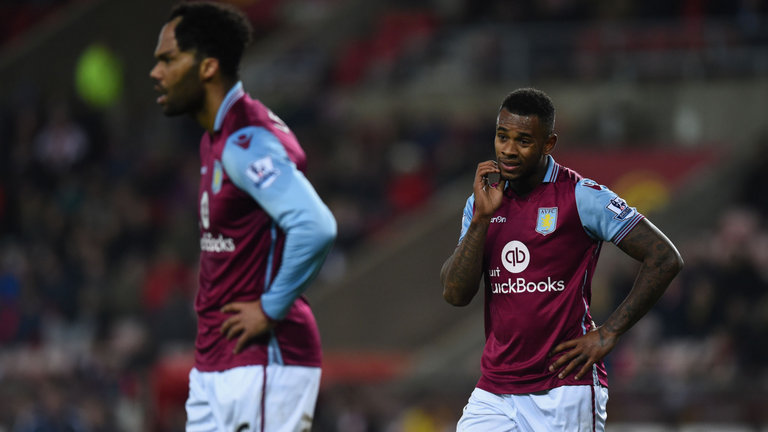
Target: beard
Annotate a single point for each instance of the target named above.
(186, 96)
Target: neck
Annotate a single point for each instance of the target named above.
(524, 186)
(215, 92)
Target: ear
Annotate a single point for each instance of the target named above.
(549, 145)
(208, 68)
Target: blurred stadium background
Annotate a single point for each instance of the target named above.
(394, 102)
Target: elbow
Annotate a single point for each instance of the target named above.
(327, 234)
(677, 262)
(453, 293)
(670, 262)
(324, 231)
(455, 301)
(454, 298)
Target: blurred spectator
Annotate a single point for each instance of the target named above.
(61, 143)
(53, 411)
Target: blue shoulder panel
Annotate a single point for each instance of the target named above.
(604, 215)
(257, 163)
(466, 219)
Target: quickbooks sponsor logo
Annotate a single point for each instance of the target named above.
(515, 256)
(520, 285)
(208, 243)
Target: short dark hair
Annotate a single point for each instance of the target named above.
(530, 101)
(215, 30)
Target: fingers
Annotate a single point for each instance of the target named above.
(584, 369)
(247, 321)
(574, 359)
(231, 308)
(485, 168)
(241, 343)
(561, 347)
(573, 364)
(231, 327)
(565, 358)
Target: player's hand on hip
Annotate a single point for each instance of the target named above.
(584, 351)
(487, 196)
(248, 321)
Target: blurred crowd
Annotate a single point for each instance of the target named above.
(98, 246)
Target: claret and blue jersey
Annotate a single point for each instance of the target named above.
(264, 234)
(540, 254)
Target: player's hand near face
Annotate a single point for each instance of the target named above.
(461, 272)
(582, 352)
(487, 197)
(248, 321)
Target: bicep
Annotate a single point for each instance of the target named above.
(646, 240)
(266, 173)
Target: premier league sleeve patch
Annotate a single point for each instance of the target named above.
(262, 172)
(620, 208)
(546, 222)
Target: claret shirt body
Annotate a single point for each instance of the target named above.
(540, 254)
(264, 234)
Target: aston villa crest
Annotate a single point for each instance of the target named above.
(218, 176)
(547, 220)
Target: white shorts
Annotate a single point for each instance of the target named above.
(566, 408)
(274, 398)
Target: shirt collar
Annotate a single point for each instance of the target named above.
(234, 94)
(553, 169)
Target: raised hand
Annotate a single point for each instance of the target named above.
(487, 196)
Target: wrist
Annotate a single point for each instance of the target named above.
(480, 220)
(606, 334)
(272, 321)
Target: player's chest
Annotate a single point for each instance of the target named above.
(538, 220)
(221, 203)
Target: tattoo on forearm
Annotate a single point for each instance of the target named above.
(464, 268)
(654, 276)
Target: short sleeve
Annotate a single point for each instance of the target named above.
(604, 215)
(466, 218)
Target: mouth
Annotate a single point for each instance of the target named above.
(163, 94)
(508, 166)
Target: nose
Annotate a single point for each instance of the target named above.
(508, 150)
(154, 73)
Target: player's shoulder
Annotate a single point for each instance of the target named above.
(589, 189)
(254, 139)
(587, 185)
(567, 175)
(570, 176)
(246, 112)
(470, 202)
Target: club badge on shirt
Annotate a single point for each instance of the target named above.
(546, 222)
(218, 176)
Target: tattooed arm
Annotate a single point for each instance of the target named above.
(462, 271)
(661, 262)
